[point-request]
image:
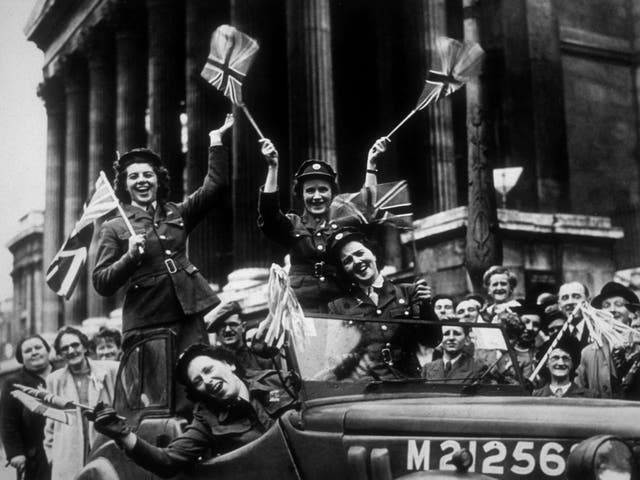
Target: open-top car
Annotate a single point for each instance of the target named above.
(368, 409)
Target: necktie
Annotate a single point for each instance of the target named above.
(374, 294)
(150, 210)
(447, 367)
(558, 392)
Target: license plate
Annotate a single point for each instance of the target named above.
(518, 459)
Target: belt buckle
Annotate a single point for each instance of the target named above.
(317, 269)
(171, 265)
(386, 356)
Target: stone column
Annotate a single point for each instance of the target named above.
(441, 151)
(75, 191)
(131, 82)
(166, 84)
(534, 101)
(483, 246)
(52, 92)
(210, 242)
(102, 108)
(311, 112)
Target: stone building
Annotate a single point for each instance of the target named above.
(559, 97)
(27, 275)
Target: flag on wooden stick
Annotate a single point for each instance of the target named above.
(231, 54)
(66, 266)
(460, 62)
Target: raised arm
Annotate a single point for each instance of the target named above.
(380, 146)
(271, 156)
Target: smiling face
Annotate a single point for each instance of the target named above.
(443, 308)
(317, 196)
(569, 295)
(453, 339)
(72, 350)
(106, 349)
(560, 364)
(359, 263)
(499, 289)
(35, 357)
(142, 183)
(618, 307)
(231, 333)
(467, 311)
(214, 378)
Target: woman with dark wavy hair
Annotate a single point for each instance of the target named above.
(162, 287)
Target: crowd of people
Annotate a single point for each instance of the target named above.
(234, 391)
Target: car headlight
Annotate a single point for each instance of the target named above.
(600, 458)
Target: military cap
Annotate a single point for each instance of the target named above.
(138, 155)
(314, 169)
(222, 312)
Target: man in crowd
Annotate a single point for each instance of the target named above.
(231, 411)
(230, 333)
(456, 365)
(597, 371)
(468, 309)
(22, 431)
(84, 381)
(531, 318)
(570, 295)
(561, 365)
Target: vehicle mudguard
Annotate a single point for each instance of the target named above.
(98, 469)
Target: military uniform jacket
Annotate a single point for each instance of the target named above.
(312, 276)
(163, 286)
(218, 429)
(22, 431)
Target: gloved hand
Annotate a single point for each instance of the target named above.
(107, 421)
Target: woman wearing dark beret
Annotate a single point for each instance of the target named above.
(162, 287)
(312, 275)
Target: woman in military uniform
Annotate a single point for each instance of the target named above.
(382, 345)
(312, 275)
(163, 288)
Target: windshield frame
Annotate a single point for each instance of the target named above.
(410, 387)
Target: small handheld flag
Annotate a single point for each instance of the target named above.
(231, 54)
(64, 270)
(460, 63)
(36, 405)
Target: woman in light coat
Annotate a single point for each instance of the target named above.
(81, 380)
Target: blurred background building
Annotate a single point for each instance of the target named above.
(560, 98)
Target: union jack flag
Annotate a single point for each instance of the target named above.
(385, 203)
(460, 62)
(39, 402)
(231, 54)
(66, 266)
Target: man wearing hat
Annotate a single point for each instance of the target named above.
(561, 365)
(231, 410)
(312, 275)
(530, 315)
(597, 370)
(163, 288)
(230, 330)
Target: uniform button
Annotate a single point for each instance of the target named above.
(181, 224)
(296, 235)
(320, 247)
(169, 213)
(322, 279)
(334, 226)
(318, 234)
(162, 237)
(378, 311)
(406, 312)
(383, 327)
(401, 301)
(168, 252)
(156, 224)
(135, 286)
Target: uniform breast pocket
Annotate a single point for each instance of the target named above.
(173, 230)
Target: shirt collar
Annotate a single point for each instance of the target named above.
(154, 204)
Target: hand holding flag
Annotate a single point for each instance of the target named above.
(460, 63)
(230, 56)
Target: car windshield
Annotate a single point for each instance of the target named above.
(349, 356)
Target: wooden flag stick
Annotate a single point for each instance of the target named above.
(433, 95)
(253, 122)
(120, 209)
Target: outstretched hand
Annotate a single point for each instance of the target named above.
(422, 292)
(269, 151)
(215, 136)
(107, 421)
(379, 146)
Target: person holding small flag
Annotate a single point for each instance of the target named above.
(22, 431)
(162, 287)
(312, 274)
